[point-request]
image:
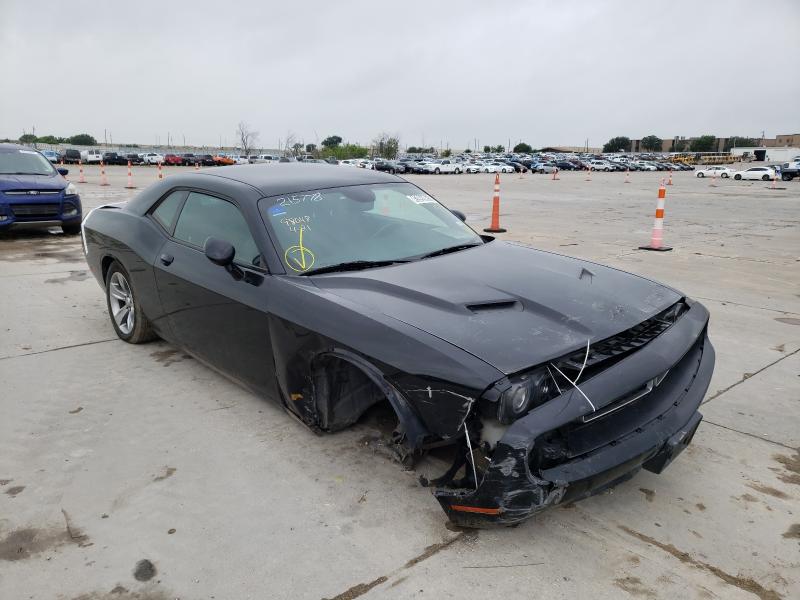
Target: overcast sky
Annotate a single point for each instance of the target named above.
(549, 73)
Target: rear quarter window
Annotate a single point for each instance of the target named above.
(167, 209)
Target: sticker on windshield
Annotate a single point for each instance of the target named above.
(276, 211)
(420, 199)
(27, 152)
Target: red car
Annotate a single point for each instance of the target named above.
(172, 159)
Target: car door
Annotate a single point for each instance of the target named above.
(218, 314)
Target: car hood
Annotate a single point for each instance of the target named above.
(512, 306)
(32, 182)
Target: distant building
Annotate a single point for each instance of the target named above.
(721, 143)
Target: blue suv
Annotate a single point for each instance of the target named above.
(33, 193)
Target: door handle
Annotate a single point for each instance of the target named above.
(166, 259)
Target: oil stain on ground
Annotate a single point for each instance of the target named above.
(743, 583)
(168, 356)
(24, 543)
(771, 491)
(635, 587)
(73, 276)
(649, 494)
(144, 570)
(792, 465)
(168, 472)
(13, 491)
(793, 532)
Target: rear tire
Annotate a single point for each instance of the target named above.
(737, 177)
(765, 178)
(129, 322)
(724, 175)
(701, 175)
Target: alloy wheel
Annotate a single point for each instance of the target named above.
(120, 297)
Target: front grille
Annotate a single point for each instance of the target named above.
(606, 352)
(32, 192)
(34, 210)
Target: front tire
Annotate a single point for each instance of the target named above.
(129, 322)
(724, 175)
(701, 175)
(737, 177)
(437, 171)
(765, 178)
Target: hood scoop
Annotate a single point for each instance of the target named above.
(494, 305)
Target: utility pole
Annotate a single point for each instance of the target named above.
(105, 137)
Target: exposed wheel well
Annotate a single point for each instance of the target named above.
(105, 265)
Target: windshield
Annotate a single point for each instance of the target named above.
(375, 222)
(24, 162)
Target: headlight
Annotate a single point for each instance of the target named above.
(70, 190)
(528, 391)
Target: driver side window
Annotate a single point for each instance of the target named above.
(206, 216)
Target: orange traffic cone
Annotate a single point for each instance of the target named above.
(555, 175)
(669, 181)
(588, 174)
(103, 180)
(130, 185)
(196, 166)
(160, 173)
(628, 175)
(713, 179)
(495, 227)
(82, 179)
(657, 238)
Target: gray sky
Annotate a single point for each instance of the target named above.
(544, 72)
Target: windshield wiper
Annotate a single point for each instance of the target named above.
(447, 250)
(354, 265)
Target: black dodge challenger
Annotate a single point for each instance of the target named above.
(330, 290)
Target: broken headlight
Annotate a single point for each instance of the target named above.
(526, 392)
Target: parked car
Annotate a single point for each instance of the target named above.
(349, 162)
(72, 157)
(390, 166)
(546, 167)
(206, 160)
(763, 173)
(328, 323)
(188, 159)
(91, 156)
(715, 171)
(51, 155)
(565, 165)
(152, 158)
(173, 159)
(444, 165)
(112, 158)
(600, 165)
(223, 160)
(34, 194)
(134, 159)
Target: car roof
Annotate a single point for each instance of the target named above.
(8, 148)
(288, 178)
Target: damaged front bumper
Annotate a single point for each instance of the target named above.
(596, 453)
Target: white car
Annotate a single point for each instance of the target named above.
(644, 166)
(762, 173)
(241, 160)
(349, 162)
(152, 158)
(91, 156)
(716, 172)
(470, 168)
(441, 166)
(600, 165)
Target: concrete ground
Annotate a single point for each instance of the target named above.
(133, 472)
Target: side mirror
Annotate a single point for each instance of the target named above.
(63, 172)
(219, 252)
(459, 214)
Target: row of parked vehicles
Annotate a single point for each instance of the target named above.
(72, 156)
(513, 163)
(787, 171)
